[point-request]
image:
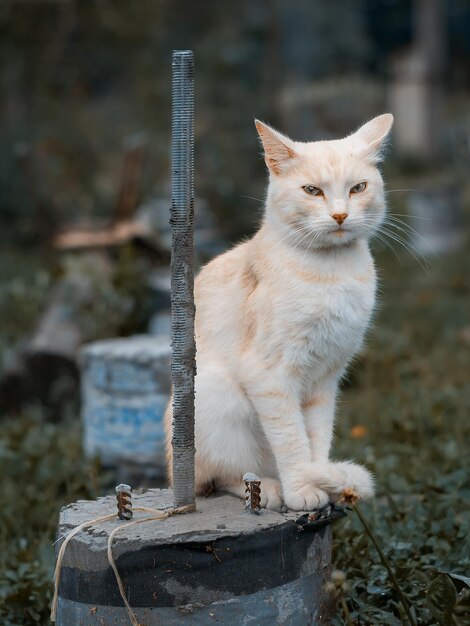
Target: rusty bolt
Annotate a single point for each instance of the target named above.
(252, 493)
(124, 501)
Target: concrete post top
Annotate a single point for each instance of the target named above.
(216, 517)
(219, 557)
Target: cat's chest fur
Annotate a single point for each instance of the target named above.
(319, 320)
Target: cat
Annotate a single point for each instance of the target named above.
(279, 317)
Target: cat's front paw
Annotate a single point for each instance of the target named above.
(355, 478)
(307, 498)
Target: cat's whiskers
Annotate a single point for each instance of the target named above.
(301, 232)
(377, 232)
(419, 258)
(398, 190)
(388, 244)
(402, 227)
(402, 241)
(316, 235)
(416, 217)
(395, 222)
(253, 198)
(293, 239)
(299, 235)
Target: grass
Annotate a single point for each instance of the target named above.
(403, 412)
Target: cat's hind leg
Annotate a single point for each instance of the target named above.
(228, 439)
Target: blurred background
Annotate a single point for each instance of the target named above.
(84, 289)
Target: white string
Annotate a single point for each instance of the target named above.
(158, 514)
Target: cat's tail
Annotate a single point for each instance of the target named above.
(335, 478)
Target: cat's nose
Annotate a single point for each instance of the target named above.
(339, 217)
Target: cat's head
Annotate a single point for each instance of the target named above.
(326, 193)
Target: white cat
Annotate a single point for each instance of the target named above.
(279, 317)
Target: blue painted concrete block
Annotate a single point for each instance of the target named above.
(125, 390)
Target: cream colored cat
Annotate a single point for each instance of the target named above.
(279, 317)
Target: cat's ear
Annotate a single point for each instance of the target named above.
(279, 152)
(373, 136)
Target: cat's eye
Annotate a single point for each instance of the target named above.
(312, 190)
(358, 188)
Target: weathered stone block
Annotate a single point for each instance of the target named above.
(125, 389)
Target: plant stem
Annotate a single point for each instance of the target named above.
(347, 615)
(387, 566)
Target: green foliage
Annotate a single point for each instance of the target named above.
(22, 292)
(41, 463)
(410, 396)
(42, 469)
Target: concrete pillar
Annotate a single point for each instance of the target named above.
(218, 565)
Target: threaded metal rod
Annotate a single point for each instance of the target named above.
(183, 363)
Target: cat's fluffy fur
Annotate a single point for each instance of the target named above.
(279, 317)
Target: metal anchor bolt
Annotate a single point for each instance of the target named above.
(124, 501)
(252, 493)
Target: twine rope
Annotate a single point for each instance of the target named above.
(157, 514)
